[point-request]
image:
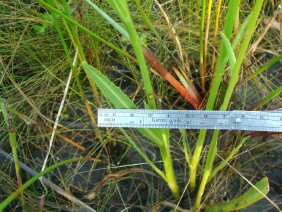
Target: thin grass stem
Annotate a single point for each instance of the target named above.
(218, 9)
(143, 155)
(227, 159)
(207, 29)
(261, 69)
(268, 98)
(86, 30)
(201, 50)
(12, 196)
(13, 144)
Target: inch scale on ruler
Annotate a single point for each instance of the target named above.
(192, 119)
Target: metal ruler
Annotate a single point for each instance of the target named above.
(192, 119)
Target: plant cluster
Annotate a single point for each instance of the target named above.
(176, 54)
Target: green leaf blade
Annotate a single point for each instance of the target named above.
(251, 196)
(4, 111)
(109, 89)
(118, 99)
(229, 51)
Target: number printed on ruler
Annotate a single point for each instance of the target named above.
(191, 119)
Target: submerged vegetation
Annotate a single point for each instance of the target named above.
(61, 60)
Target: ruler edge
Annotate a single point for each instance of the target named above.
(272, 112)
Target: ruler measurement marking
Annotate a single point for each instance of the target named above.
(228, 120)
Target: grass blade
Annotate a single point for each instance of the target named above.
(251, 196)
(122, 10)
(118, 98)
(143, 155)
(229, 157)
(13, 143)
(158, 66)
(201, 50)
(241, 55)
(58, 12)
(112, 92)
(268, 98)
(10, 198)
(4, 111)
(110, 20)
(229, 50)
(261, 69)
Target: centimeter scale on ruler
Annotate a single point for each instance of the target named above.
(192, 119)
